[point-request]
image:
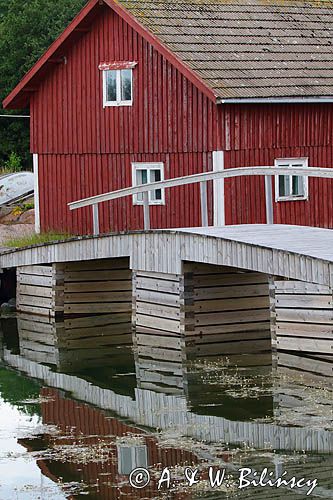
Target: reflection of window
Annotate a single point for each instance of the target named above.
(117, 87)
(145, 173)
(131, 457)
(291, 187)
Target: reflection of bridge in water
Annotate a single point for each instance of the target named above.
(161, 410)
(169, 396)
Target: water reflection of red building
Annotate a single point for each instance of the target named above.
(89, 426)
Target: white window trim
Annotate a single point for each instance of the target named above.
(134, 453)
(118, 102)
(280, 162)
(148, 166)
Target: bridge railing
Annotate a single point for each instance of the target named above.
(203, 178)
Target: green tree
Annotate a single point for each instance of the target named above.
(26, 31)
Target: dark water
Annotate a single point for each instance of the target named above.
(71, 430)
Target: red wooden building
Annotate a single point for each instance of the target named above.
(140, 90)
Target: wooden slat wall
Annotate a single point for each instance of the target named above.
(159, 311)
(304, 317)
(38, 337)
(98, 287)
(40, 289)
(231, 311)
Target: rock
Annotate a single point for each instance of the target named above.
(5, 308)
(28, 217)
(12, 303)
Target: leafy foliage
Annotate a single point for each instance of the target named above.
(26, 31)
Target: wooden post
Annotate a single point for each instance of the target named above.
(218, 188)
(204, 207)
(146, 214)
(95, 219)
(269, 200)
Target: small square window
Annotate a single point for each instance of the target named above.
(291, 187)
(146, 173)
(117, 87)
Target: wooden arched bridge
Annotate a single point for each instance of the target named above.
(221, 284)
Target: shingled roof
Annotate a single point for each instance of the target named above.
(248, 48)
(231, 49)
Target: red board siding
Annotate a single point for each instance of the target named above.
(257, 135)
(85, 149)
(245, 197)
(168, 114)
(65, 178)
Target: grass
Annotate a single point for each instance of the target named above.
(37, 239)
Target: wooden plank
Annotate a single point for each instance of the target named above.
(324, 346)
(160, 365)
(231, 347)
(229, 279)
(78, 308)
(307, 301)
(35, 326)
(231, 328)
(97, 275)
(164, 286)
(231, 291)
(97, 321)
(123, 296)
(160, 324)
(100, 341)
(35, 270)
(105, 330)
(307, 364)
(305, 329)
(306, 315)
(98, 286)
(157, 310)
(232, 317)
(157, 297)
(159, 341)
(36, 320)
(36, 291)
(157, 276)
(228, 337)
(42, 338)
(232, 304)
(36, 346)
(44, 311)
(40, 357)
(35, 301)
(28, 279)
(155, 353)
(300, 287)
(97, 265)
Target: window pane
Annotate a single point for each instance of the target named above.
(155, 176)
(141, 178)
(111, 86)
(297, 186)
(126, 84)
(283, 179)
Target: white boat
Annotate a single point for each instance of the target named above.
(16, 186)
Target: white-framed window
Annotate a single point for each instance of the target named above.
(291, 187)
(117, 87)
(131, 457)
(146, 173)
